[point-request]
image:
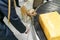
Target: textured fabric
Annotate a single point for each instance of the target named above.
(5, 32)
(14, 19)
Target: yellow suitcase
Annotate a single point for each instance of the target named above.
(50, 23)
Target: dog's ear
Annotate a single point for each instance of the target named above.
(36, 3)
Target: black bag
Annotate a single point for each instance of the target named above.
(1, 16)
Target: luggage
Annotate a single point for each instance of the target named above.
(50, 23)
(46, 7)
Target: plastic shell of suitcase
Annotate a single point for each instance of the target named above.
(50, 23)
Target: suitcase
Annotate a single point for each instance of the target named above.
(46, 7)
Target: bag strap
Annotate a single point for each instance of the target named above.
(9, 9)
